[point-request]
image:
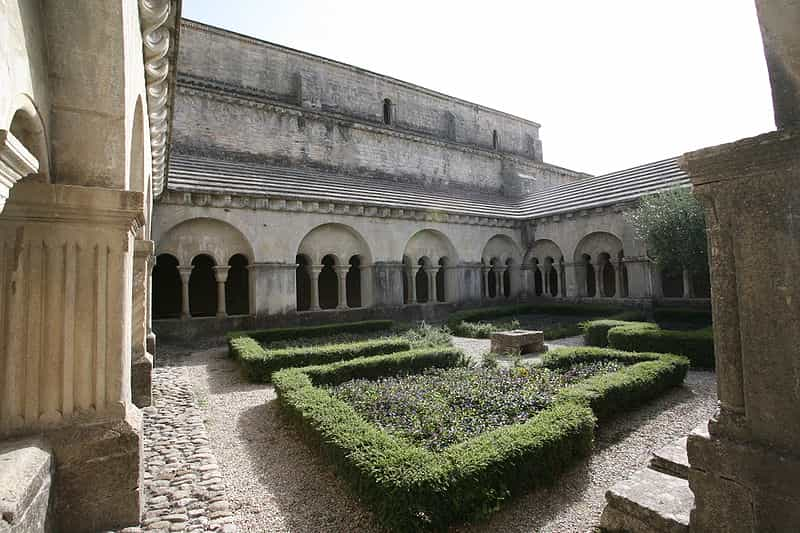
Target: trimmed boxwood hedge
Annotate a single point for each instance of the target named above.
(258, 363)
(302, 332)
(647, 377)
(410, 488)
(595, 332)
(697, 345)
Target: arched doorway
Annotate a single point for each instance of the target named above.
(591, 280)
(552, 278)
(353, 282)
(609, 275)
(166, 287)
(328, 284)
(202, 287)
(537, 279)
(237, 286)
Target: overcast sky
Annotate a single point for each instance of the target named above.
(614, 83)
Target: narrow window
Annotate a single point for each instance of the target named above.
(495, 139)
(387, 111)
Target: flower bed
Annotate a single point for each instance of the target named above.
(441, 407)
(410, 487)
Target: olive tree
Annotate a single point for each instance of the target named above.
(673, 226)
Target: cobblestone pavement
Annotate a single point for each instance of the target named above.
(183, 488)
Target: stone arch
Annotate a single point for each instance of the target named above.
(26, 124)
(328, 282)
(166, 287)
(237, 286)
(432, 244)
(215, 238)
(439, 253)
(136, 174)
(542, 249)
(594, 255)
(203, 286)
(503, 256)
(353, 282)
(501, 247)
(334, 239)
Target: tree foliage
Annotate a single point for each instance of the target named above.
(673, 226)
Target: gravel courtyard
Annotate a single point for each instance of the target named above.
(274, 483)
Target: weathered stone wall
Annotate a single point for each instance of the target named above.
(282, 105)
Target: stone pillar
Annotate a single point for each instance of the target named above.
(430, 272)
(66, 295)
(498, 274)
(412, 286)
(572, 279)
(687, 284)
(387, 283)
(341, 274)
(314, 271)
(618, 285)
(186, 273)
(558, 280)
(273, 288)
(141, 359)
(744, 471)
(545, 282)
(486, 271)
(598, 280)
(221, 275)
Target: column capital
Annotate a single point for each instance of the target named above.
(315, 269)
(430, 269)
(342, 268)
(185, 272)
(221, 273)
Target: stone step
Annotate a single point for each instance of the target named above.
(648, 502)
(672, 459)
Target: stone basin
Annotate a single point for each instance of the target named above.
(526, 341)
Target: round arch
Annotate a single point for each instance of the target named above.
(209, 236)
(338, 240)
(431, 253)
(432, 244)
(502, 248)
(26, 124)
(542, 249)
(596, 252)
(597, 243)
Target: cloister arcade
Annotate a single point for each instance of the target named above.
(206, 267)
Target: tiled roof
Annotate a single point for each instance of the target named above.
(189, 173)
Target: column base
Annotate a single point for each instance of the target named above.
(141, 380)
(151, 343)
(745, 486)
(98, 474)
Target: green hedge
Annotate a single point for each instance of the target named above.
(301, 332)
(647, 377)
(410, 488)
(682, 315)
(595, 332)
(697, 345)
(489, 313)
(258, 364)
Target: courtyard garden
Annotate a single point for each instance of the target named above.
(427, 438)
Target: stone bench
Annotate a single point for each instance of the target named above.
(526, 341)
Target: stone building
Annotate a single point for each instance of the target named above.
(85, 103)
(298, 184)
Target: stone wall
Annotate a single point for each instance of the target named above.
(282, 105)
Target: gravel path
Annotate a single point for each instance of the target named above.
(275, 483)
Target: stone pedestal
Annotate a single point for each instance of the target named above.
(744, 471)
(521, 340)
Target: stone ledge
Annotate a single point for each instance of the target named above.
(648, 502)
(672, 459)
(26, 474)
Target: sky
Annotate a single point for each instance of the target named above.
(614, 83)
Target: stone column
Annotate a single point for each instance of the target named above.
(498, 274)
(66, 295)
(430, 272)
(598, 280)
(186, 273)
(618, 285)
(744, 471)
(141, 359)
(314, 271)
(341, 273)
(557, 268)
(687, 284)
(412, 286)
(221, 275)
(486, 271)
